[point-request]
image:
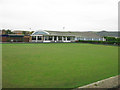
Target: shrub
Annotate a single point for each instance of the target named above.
(100, 42)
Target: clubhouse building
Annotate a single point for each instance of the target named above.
(63, 36)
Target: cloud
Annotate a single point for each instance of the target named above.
(54, 14)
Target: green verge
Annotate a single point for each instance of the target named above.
(57, 65)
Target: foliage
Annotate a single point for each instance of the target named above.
(31, 32)
(117, 42)
(110, 38)
(25, 32)
(8, 31)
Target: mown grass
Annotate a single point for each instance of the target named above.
(57, 65)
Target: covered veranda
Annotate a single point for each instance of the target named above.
(51, 38)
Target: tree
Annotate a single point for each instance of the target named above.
(24, 32)
(31, 32)
(8, 31)
(110, 38)
(118, 39)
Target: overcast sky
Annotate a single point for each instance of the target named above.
(74, 15)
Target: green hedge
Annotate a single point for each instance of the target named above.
(100, 42)
(112, 39)
(109, 40)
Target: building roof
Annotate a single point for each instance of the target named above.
(109, 34)
(77, 34)
(68, 33)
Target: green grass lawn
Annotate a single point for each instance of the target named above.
(57, 65)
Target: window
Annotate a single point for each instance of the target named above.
(68, 38)
(88, 39)
(33, 37)
(46, 37)
(71, 38)
(59, 38)
(55, 37)
(96, 39)
(50, 37)
(39, 38)
(40, 33)
(81, 38)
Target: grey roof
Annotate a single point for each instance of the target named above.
(108, 33)
(68, 33)
(77, 34)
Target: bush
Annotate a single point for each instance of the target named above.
(110, 38)
(100, 42)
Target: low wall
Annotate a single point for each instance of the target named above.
(112, 82)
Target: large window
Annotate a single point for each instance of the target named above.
(68, 38)
(71, 38)
(81, 38)
(95, 39)
(50, 37)
(40, 33)
(39, 38)
(55, 38)
(88, 39)
(46, 37)
(33, 37)
(59, 38)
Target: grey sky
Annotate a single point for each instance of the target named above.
(75, 15)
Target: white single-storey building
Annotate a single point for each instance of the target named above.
(63, 36)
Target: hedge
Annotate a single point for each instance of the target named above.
(100, 42)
